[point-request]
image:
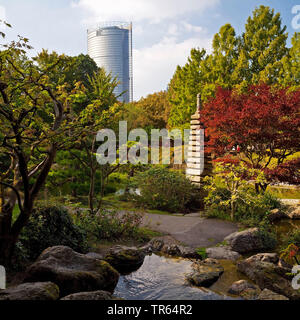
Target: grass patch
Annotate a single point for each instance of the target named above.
(222, 244)
(202, 253)
(284, 192)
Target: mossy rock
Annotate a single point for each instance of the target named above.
(37, 291)
(205, 273)
(125, 259)
(72, 272)
(267, 274)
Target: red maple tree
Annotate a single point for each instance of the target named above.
(263, 122)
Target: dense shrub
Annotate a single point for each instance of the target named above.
(50, 226)
(293, 237)
(250, 208)
(165, 189)
(267, 235)
(256, 208)
(110, 225)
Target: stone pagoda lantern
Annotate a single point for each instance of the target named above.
(198, 162)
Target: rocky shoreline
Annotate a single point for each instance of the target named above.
(61, 273)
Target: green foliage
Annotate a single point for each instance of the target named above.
(267, 235)
(292, 237)
(231, 196)
(291, 64)
(166, 190)
(291, 254)
(259, 54)
(110, 225)
(263, 45)
(282, 192)
(148, 113)
(51, 226)
(186, 83)
(68, 176)
(202, 253)
(250, 208)
(37, 116)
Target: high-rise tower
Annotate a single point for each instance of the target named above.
(110, 45)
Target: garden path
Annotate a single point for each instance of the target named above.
(191, 229)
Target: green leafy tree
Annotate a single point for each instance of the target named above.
(37, 119)
(183, 88)
(291, 65)
(263, 45)
(148, 113)
(224, 58)
(100, 105)
(234, 177)
(259, 55)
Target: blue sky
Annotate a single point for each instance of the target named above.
(164, 30)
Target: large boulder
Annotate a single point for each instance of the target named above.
(171, 250)
(125, 259)
(244, 289)
(265, 257)
(246, 241)
(276, 214)
(205, 273)
(31, 291)
(264, 270)
(72, 272)
(222, 253)
(294, 212)
(93, 295)
(239, 286)
(267, 294)
(188, 252)
(95, 255)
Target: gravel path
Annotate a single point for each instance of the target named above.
(191, 230)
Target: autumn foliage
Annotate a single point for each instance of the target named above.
(264, 122)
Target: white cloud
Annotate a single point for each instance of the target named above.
(154, 66)
(163, 36)
(191, 28)
(173, 30)
(137, 10)
(183, 27)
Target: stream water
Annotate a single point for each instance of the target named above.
(162, 278)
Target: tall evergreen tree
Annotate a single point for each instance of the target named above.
(183, 88)
(259, 55)
(263, 44)
(290, 75)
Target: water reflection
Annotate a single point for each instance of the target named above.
(161, 278)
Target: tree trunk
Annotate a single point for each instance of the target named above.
(261, 187)
(101, 190)
(7, 241)
(92, 191)
(232, 206)
(264, 187)
(7, 247)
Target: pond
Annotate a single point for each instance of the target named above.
(162, 278)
